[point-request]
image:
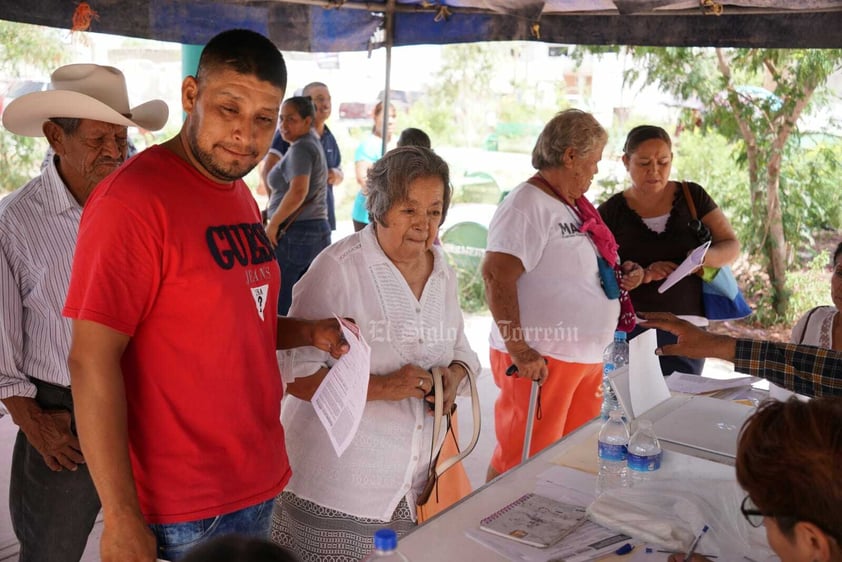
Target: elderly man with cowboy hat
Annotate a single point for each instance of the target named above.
(84, 117)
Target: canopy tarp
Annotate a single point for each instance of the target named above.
(349, 25)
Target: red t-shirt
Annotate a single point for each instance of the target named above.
(183, 266)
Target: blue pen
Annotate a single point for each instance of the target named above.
(695, 544)
(625, 549)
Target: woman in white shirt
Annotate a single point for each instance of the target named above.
(397, 286)
(556, 290)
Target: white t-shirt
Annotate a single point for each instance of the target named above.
(563, 310)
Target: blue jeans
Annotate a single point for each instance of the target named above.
(295, 251)
(176, 539)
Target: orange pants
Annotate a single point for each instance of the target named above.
(570, 396)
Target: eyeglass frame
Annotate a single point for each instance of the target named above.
(748, 513)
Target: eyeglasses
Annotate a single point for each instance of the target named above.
(701, 230)
(755, 517)
(751, 513)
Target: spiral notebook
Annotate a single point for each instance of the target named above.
(535, 520)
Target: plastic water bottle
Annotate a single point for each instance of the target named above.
(613, 440)
(615, 356)
(386, 547)
(644, 456)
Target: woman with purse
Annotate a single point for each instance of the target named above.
(556, 290)
(297, 209)
(397, 286)
(657, 225)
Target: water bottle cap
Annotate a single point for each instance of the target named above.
(644, 424)
(620, 335)
(615, 414)
(385, 539)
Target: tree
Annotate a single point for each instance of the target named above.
(25, 50)
(755, 98)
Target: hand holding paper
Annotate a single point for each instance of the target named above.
(687, 267)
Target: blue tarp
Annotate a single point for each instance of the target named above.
(340, 25)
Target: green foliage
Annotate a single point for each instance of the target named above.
(465, 101)
(33, 49)
(809, 287)
(709, 159)
(806, 289)
(810, 189)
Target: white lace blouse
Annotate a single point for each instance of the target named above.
(388, 458)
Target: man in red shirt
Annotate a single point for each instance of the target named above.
(173, 297)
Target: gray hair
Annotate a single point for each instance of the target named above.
(389, 179)
(571, 128)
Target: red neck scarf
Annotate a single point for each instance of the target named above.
(603, 239)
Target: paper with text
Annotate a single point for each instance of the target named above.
(340, 399)
(690, 264)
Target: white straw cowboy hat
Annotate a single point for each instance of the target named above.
(85, 91)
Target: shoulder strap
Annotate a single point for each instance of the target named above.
(689, 199)
(807, 324)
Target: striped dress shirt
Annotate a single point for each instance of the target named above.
(807, 370)
(38, 227)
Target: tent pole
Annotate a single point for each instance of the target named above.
(390, 38)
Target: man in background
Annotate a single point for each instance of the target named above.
(320, 95)
(52, 500)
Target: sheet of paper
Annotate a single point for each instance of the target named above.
(340, 399)
(566, 484)
(646, 383)
(694, 384)
(685, 268)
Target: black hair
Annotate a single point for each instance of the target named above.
(836, 253)
(643, 133)
(414, 137)
(303, 105)
(245, 52)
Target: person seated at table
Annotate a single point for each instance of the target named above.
(788, 460)
(401, 292)
(819, 326)
(805, 369)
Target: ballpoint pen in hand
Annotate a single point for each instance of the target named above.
(693, 546)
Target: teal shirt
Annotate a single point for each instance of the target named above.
(369, 150)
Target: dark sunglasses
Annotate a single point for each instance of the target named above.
(701, 230)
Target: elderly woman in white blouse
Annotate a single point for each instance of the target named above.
(397, 286)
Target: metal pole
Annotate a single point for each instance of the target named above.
(390, 38)
(530, 420)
